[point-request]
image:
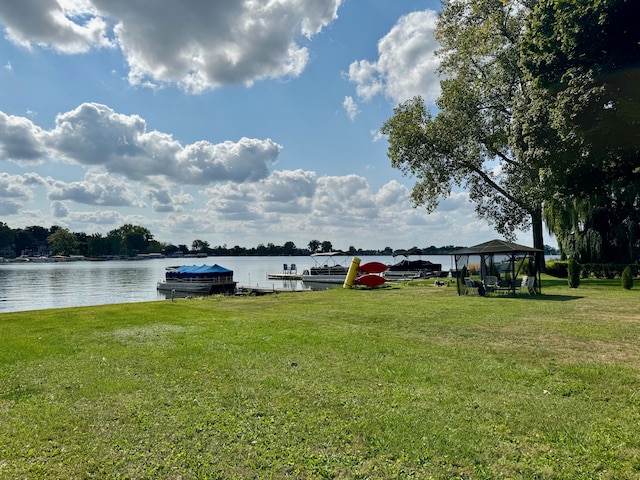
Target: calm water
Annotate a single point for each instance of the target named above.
(35, 286)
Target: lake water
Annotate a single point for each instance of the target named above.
(35, 286)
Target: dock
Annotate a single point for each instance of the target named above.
(289, 272)
(284, 276)
(263, 290)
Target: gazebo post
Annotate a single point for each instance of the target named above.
(512, 258)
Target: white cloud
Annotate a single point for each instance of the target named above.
(406, 64)
(392, 193)
(20, 139)
(59, 209)
(165, 201)
(351, 107)
(94, 135)
(242, 202)
(96, 189)
(15, 192)
(299, 206)
(8, 207)
(69, 26)
(195, 44)
(245, 160)
(13, 186)
(376, 135)
(287, 186)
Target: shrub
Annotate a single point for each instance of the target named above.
(573, 273)
(494, 271)
(464, 272)
(627, 278)
(556, 268)
(524, 266)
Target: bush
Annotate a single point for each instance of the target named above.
(605, 270)
(525, 266)
(556, 268)
(464, 272)
(573, 273)
(627, 278)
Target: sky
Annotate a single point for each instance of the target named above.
(236, 122)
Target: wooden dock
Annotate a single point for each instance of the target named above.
(263, 290)
(284, 276)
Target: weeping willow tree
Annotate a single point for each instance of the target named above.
(596, 228)
(566, 218)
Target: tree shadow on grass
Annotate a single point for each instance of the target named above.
(552, 298)
(554, 282)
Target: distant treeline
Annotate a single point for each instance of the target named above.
(131, 240)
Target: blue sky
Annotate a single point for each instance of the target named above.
(234, 122)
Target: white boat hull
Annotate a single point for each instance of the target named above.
(203, 288)
(338, 279)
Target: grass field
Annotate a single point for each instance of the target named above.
(400, 382)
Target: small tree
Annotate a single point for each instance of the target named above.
(627, 278)
(574, 273)
(326, 246)
(314, 246)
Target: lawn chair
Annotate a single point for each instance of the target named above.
(490, 283)
(470, 286)
(523, 284)
(530, 285)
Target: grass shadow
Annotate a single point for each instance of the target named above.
(553, 298)
(554, 282)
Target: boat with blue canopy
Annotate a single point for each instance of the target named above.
(198, 279)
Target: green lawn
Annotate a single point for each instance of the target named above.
(400, 382)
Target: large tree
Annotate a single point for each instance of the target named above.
(62, 242)
(6, 236)
(583, 59)
(469, 142)
(130, 239)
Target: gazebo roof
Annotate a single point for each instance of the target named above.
(496, 246)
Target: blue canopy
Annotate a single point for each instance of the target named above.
(202, 269)
(199, 271)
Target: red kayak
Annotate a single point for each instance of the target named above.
(369, 280)
(373, 267)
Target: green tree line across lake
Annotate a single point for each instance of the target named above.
(131, 240)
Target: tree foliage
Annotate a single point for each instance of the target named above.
(627, 278)
(62, 242)
(469, 142)
(539, 112)
(583, 58)
(573, 269)
(314, 246)
(326, 246)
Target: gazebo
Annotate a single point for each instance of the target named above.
(508, 253)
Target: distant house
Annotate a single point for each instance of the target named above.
(7, 252)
